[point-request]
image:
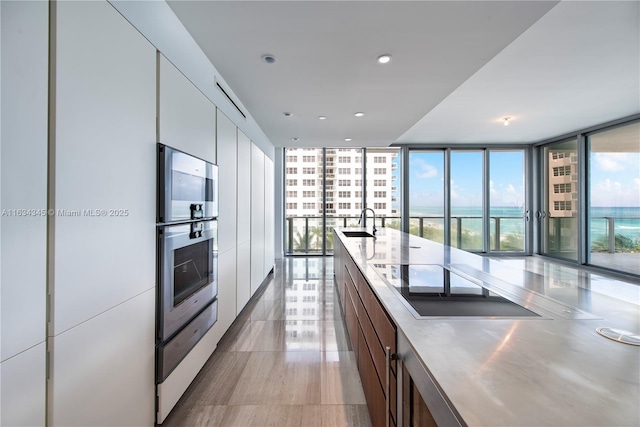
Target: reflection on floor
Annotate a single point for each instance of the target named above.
(285, 361)
(625, 262)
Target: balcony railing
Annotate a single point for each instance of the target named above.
(305, 234)
(506, 233)
(608, 234)
(611, 234)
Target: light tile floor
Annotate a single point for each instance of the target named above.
(285, 361)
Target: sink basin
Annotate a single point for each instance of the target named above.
(357, 234)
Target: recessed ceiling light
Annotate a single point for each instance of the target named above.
(287, 114)
(506, 120)
(347, 139)
(359, 114)
(322, 118)
(384, 59)
(295, 138)
(269, 59)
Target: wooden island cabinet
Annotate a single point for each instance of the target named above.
(372, 335)
(374, 338)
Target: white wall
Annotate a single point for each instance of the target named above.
(104, 267)
(23, 185)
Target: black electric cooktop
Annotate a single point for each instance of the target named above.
(433, 290)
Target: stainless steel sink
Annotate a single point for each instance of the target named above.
(357, 234)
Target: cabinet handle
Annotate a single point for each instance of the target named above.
(387, 356)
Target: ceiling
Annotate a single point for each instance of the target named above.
(457, 67)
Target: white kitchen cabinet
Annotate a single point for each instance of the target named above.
(103, 369)
(243, 224)
(105, 164)
(227, 147)
(244, 188)
(23, 388)
(269, 217)
(257, 217)
(187, 118)
(243, 275)
(25, 44)
(226, 290)
(174, 386)
(226, 142)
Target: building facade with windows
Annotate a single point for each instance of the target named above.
(341, 186)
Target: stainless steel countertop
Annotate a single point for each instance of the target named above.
(519, 372)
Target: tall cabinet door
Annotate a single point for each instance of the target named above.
(243, 224)
(186, 118)
(258, 213)
(25, 36)
(269, 217)
(227, 147)
(103, 300)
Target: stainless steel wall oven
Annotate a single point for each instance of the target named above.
(187, 187)
(187, 273)
(187, 255)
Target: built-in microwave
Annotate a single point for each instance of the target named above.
(187, 273)
(187, 187)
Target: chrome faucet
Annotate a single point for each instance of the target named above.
(363, 214)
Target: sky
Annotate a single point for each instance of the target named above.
(427, 179)
(615, 179)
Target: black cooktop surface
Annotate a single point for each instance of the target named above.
(433, 290)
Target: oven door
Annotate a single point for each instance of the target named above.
(188, 273)
(187, 187)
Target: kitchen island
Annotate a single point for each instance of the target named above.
(548, 369)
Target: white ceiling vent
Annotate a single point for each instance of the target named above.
(224, 92)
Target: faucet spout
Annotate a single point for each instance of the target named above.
(363, 214)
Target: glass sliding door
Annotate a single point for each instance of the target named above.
(303, 200)
(382, 188)
(343, 191)
(311, 186)
(614, 198)
(506, 201)
(466, 191)
(559, 217)
(426, 194)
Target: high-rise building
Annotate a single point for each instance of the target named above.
(305, 181)
(563, 183)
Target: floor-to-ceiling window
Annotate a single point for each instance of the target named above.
(587, 197)
(426, 194)
(560, 188)
(614, 198)
(326, 188)
(382, 185)
(303, 196)
(506, 201)
(344, 190)
(485, 190)
(466, 194)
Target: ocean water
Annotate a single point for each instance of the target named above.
(626, 222)
(626, 219)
